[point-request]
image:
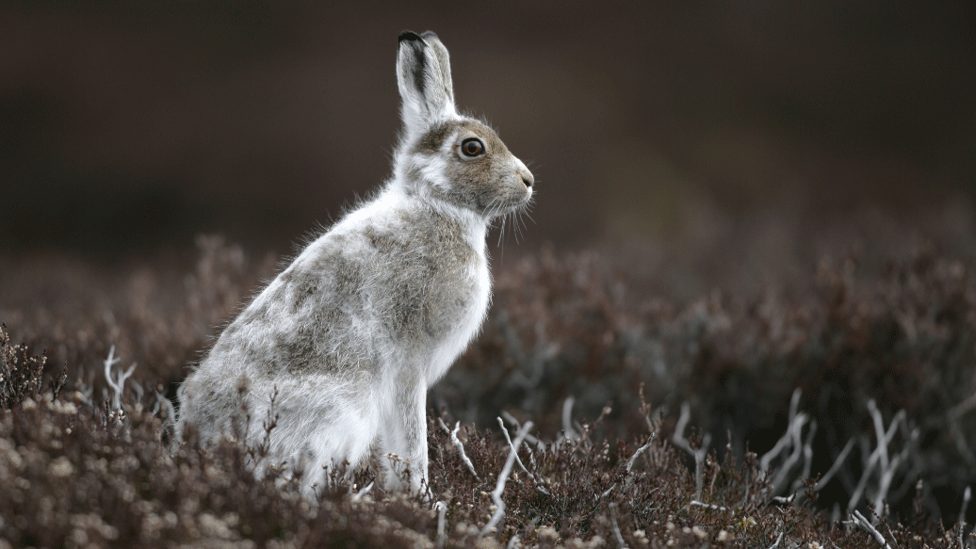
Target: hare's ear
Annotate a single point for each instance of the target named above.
(424, 79)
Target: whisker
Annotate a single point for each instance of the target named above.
(501, 233)
(490, 211)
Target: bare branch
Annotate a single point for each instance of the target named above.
(519, 460)
(681, 442)
(509, 439)
(571, 433)
(359, 495)
(616, 528)
(880, 460)
(879, 432)
(457, 444)
(795, 425)
(441, 523)
(117, 384)
(795, 441)
(511, 419)
(496, 494)
(865, 524)
(963, 407)
(966, 496)
(709, 506)
(836, 466)
(888, 474)
(633, 458)
(606, 492)
(784, 500)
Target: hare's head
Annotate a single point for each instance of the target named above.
(444, 156)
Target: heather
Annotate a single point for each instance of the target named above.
(832, 409)
(739, 314)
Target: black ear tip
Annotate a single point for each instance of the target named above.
(408, 35)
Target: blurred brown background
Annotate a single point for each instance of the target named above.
(132, 126)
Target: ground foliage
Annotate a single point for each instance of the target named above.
(656, 422)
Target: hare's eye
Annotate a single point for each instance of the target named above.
(472, 147)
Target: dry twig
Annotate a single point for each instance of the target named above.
(496, 494)
(457, 444)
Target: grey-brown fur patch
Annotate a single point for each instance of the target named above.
(210, 408)
(308, 349)
(431, 142)
(422, 291)
(321, 291)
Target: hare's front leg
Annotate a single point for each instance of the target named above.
(403, 433)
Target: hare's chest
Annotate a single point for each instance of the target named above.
(459, 297)
(475, 302)
(457, 317)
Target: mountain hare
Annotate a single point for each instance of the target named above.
(352, 334)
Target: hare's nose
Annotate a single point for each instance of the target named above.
(525, 174)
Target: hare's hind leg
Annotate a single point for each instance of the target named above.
(321, 424)
(403, 438)
(354, 432)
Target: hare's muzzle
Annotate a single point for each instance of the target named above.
(527, 178)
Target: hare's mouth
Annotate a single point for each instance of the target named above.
(498, 207)
(512, 216)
